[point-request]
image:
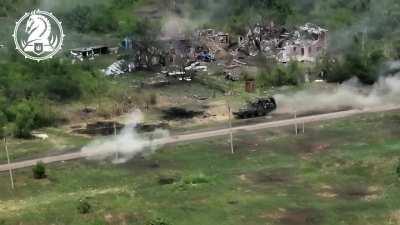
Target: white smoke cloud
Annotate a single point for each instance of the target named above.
(126, 145)
(349, 94)
(175, 27)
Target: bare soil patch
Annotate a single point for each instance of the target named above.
(277, 176)
(300, 217)
(359, 192)
(122, 218)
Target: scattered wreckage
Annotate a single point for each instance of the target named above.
(259, 107)
(303, 44)
(187, 73)
(118, 68)
(185, 55)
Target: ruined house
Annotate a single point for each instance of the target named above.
(213, 38)
(303, 44)
(211, 43)
(309, 42)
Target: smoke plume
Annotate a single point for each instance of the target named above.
(126, 145)
(349, 94)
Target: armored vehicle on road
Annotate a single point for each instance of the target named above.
(257, 108)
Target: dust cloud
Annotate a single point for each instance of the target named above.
(126, 145)
(351, 94)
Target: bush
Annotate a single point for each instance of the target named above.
(365, 63)
(39, 171)
(280, 76)
(159, 221)
(95, 18)
(398, 169)
(31, 114)
(24, 119)
(84, 206)
(197, 179)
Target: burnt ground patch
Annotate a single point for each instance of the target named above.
(176, 113)
(301, 217)
(355, 191)
(276, 176)
(143, 164)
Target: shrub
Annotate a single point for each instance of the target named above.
(84, 206)
(24, 121)
(159, 221)
(365, 63)
(280, 76)
(39, 171)
(197, 179)
(166, 180)
(398, 169)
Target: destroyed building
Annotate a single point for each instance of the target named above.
(309, 42)
(303, 44)
(211, 44)
(91, 52)
(213, 39)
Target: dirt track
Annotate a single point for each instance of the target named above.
(208, 134)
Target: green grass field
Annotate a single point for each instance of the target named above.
(58, 142)
(340, 172)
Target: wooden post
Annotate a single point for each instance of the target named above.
(230, 129)
(8, 163)
(295, 123)
(115, 135)
(303, 128)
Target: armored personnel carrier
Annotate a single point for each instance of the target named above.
(257, 108)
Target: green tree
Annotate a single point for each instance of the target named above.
(279, 76)
(24, 115)
(39, 171)
(3, 122)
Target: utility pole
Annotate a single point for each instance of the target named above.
(230, 128)
(295, 123)
(116, 149)
(8, 163)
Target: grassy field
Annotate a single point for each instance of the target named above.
(340, 172)
(57, 143)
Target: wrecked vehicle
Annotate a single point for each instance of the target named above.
(257, 108)
(205, 56)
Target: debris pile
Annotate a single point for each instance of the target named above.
(303, 44)
(213, 40)
(119, 67)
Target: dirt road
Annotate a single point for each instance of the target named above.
(208, 134)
